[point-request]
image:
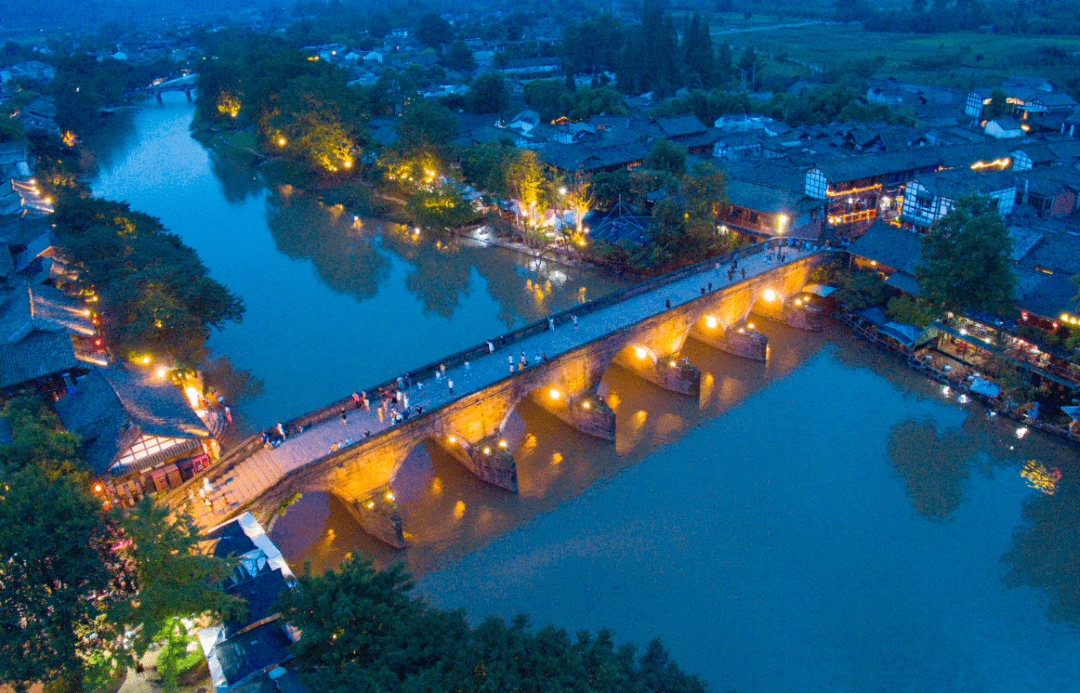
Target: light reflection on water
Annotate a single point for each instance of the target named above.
(822, 522)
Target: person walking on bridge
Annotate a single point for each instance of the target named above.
(344, 417)
(356, 399)
(551, 323)
(450, 385)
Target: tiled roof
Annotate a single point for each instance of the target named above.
(111, 407)
(37, 355)
(889, 245)
(680, 126)
(41, 308)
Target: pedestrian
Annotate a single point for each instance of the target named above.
(365, 400)
(405, 401)
(400, 382)
(397, 397)
(408, 380)
(419, 386)
(442, 369)
(710, 287)
(281, 430)
(468, 369)
(703, 291)
(510, 360)
(491, 347)
(551, 324)
(266, 439)
(380, 414)
(228, 415)
(344, 417)
(744, 273)
(356, 399)
(536, 359)
(574, 317)
(367, 433)
(545, 356)
(450, 385)
(667, 303)
(511, 365)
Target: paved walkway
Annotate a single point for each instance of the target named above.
(231, 489)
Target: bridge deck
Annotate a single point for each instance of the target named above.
(236, 486)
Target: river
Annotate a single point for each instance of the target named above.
(828, 521)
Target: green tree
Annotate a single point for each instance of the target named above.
(488, 94)
(433, 30)
(486, 166)
(858, 290)
(965, 263)
(525, 181)
(154, 291)
(998, 106)
(317, 121)
(910, 311)
(427, 127)
(363, 631)
(703, 187)
(174, 580)
(57, 580)
(439, 209)
(667, 157)
(545, 97)
(459, 57)
(39, 440)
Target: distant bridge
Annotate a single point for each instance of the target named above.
(641, 329)
(184, 83)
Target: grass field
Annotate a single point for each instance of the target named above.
(963, 59)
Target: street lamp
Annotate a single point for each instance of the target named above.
(781, 222)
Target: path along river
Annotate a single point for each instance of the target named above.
(828, 521)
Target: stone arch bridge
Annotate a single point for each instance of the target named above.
(642, 329)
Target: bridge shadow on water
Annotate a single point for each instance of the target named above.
(446, 512)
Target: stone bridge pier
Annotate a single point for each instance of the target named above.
(644, 332)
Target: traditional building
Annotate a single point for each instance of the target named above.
(928, 198)
(139, 431)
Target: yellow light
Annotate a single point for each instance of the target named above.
(640, 352)
(554, 394)
(371, 505)
(161, 372)
(751, 326)
(487, 450)
(1064, 317)
(781, 222)
(192, 395)
(281, 141)
(452, 439)
(769, 295)
(502, 444)
(389, 496)
(586, 404)
(671, 363)
(97, 488)
(710, 321)
(145, 360)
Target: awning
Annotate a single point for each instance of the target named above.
(1073, 412)
(903, 333)
(819, 289)
(985, 387)
(873, 315)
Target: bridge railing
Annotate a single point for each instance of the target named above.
(331, 411)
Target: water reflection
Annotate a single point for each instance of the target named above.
(344, 259)
(1045, 552)
(447, 512)
(933, 464)
(238, 179)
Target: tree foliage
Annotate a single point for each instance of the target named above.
(667, 157)
(488, 94)
(155, 293)
(965, 263)
(363, 631)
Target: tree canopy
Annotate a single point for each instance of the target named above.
(155, 294)
(965, 263)
(364, 631)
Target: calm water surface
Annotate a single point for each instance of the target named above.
(828, 521)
